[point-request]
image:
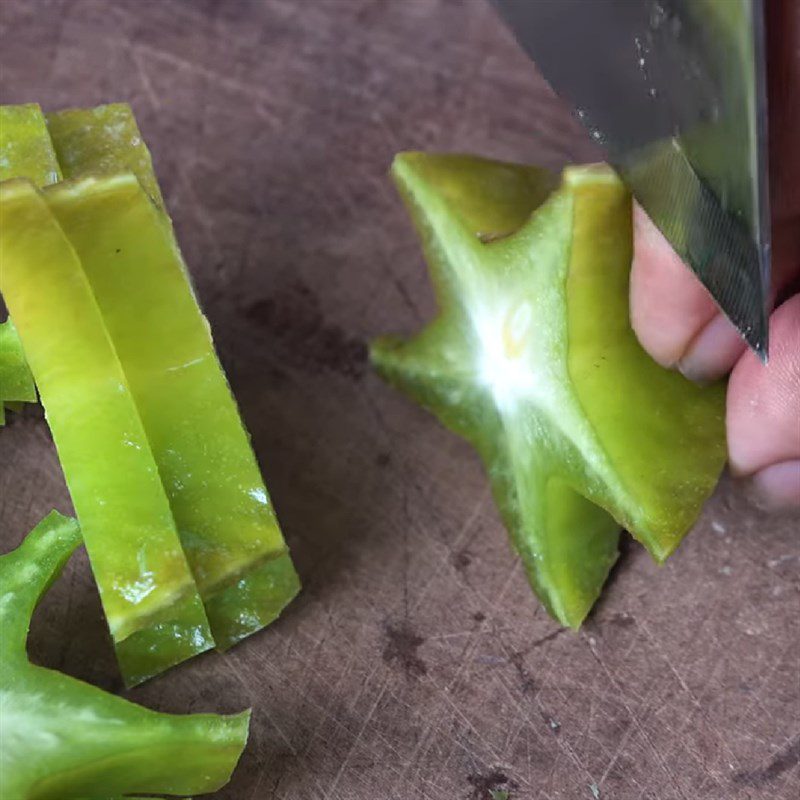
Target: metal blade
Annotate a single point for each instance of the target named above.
(675, 91)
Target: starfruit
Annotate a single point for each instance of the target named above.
(217, 497)
(25, 149)
(532, 359)
(149, 596)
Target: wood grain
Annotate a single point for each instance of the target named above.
(416, 664)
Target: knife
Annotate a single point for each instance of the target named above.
(675, 91)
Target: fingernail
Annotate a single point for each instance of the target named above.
(713, 352)
(778, 486)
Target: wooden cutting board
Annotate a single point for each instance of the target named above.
(416, 664)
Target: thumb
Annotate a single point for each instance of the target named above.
(763, 413)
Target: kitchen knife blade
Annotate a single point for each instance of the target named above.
(675, 91)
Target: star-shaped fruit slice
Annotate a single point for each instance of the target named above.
(532, 359)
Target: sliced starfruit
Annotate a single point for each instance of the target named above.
(532, 358)
(103, 140)
(207, 466)
(62, 738)
(149, 596)
(217, 495)
(25, 147)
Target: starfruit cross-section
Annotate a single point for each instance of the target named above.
(532, 358)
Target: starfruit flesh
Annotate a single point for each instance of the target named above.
(16, 381)
(664, 435)
(106, 140)
(149, 595)
(533, 360)
(217, 495)
(166, 639)
(103, 140)
(25, 147)
(205, 461)
(25, 151)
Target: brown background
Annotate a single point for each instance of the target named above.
(416, 664)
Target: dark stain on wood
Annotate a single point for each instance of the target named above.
(786, 759)
(526, 682)
(293, 320)
(401, 649)
(461, 560)
(485, 784)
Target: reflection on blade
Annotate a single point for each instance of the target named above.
(675, 92)
(717, 245)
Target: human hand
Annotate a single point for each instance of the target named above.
(679, 324)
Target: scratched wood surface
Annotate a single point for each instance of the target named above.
(416, 663)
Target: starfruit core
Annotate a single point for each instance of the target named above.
(533, 360)
(62, 739)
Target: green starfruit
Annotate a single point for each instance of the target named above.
(217, 495)
(25, 150)
(25, 147)
(61, 738)
(149, 596)
(16, 381)
(533, 360)
(103, 140)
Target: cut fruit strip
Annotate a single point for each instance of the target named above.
(533, 360)
(217, 495)
(107, 140)
(103, 140)
(16, 381)
(25, 147)
(207, 466)
(63, 738)
(28, 152)
(148, 592)
(25, 152)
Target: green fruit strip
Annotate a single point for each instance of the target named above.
(25, 147)
(259, 582)
(533, 359)
(216, 492)
(25, 151)
(148, 592)
(16, 381)
(167, 638)
(217, 495)
(103, 140)
(28, 149)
